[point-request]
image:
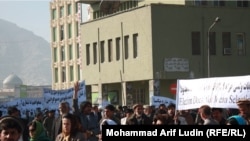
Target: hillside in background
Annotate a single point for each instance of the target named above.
(25, 54)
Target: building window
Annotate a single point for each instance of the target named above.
(77, 29)
(69, 30)
(102, 51)
(54, 14)
(110, 50)
(56, 75)
(118, 46)
(219, 3)
(69, 9)
(78, 72)
(240, 40)
(128, 5)
(63, 74)
(88, 54)
(71, 70)
(62, 53)
(54, 34)
(139, 95)
(76, 7)
(70, 52)
(200, 2)
(61, 11)
(212, 43)
(242, 3)
(126, 46)
(135, 45)
(196, 45)
(78, 50)
(55, 54)
(61, 32)
(95, 53)
(226, 43)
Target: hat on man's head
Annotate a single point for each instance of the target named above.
(137, 105)
(243, 102)
(7, 122)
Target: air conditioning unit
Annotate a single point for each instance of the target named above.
(227, 51)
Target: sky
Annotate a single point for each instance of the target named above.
(32, 15)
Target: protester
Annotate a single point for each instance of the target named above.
(109, 113)
(218, 115)
(119, 113)
(244, 109)
(38, 116)
(89, 122)
(15, 112)
(64, 108)
(160, 119)
(236, 120)
(187, 115)
(97, 113)
(128, 113)
(206, 115)
(11, 128)
(70, 130)
(138, 118)
(162, 109)
(48, 122)
(37, 132)
(148, 111)
(174, 117)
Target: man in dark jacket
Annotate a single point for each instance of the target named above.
(89, 122)
(138, 118)
(13, 111)
(64, 108)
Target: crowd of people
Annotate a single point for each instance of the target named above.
(84, 122)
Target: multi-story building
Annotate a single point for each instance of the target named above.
(65, 43)
(132, 50)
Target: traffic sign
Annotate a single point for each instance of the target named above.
(173, 88)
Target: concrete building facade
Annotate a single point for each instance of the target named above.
(65, 43)
(141, 49)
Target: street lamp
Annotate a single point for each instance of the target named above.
(217, 19)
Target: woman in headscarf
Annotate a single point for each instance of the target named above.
(236, 120)
(37, 132)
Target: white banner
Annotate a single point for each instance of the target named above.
(221, 92)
